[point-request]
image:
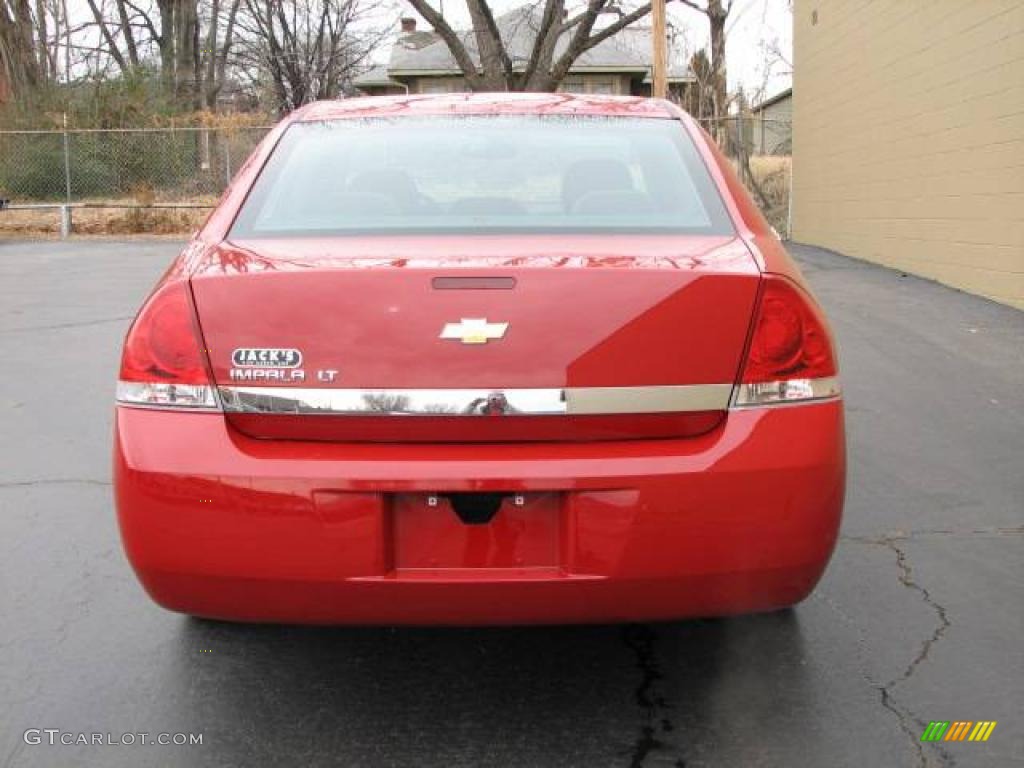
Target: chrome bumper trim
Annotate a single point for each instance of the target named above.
(571, 401)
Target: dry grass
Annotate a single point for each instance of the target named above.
(114, 220)
(771, 174)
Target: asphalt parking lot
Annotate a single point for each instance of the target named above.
(919, 618)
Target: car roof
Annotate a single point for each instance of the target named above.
(489, 104)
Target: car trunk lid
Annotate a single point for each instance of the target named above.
(580, 337)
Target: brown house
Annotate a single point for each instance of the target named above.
(421, 62)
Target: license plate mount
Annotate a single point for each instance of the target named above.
(470, 530)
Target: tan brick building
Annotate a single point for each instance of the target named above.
(908, 137)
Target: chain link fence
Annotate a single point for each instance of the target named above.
(165, 180)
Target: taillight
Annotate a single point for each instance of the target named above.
(790, 356)
(162, 363)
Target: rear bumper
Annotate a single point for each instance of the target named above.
(741, 519)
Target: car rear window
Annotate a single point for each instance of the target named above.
(512, 173)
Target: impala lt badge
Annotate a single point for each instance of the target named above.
(474, 330)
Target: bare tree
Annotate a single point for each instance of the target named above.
(111, 29)
(52, 31)
(217, 49)
(307, 49)
(304, 49)
(18, 60)
(39, 44)
(42, 40)
(132, 27)
(776, 62)
(108, 36)
(716, 12)
(178, 41)
(558, 41)
(699, 100)
(124, 19)
(192, 70)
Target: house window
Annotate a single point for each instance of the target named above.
(435, 86)
(598, 85)
(572, 85)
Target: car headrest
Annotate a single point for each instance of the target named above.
(389, 182)
(613, 202)
(346, 207)
(487, 206)
(594, 175)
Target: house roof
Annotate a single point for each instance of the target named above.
(375, 76)
(425, 53)
(780, 96)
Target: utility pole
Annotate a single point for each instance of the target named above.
(659, 60)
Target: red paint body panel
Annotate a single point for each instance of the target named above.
(739, 515)
(585, 311)
(743, 518)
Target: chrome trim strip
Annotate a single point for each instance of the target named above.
(660, 399)
(477, 402)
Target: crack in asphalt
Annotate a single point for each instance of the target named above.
(992, 530)
(906, 577)
(13, 753)
(640, 639)
(61, 326)
(53, 481)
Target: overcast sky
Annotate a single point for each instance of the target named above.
(753, 26)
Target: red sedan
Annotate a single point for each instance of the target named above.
(480, 359)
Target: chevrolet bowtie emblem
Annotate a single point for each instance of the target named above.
(473, 330)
